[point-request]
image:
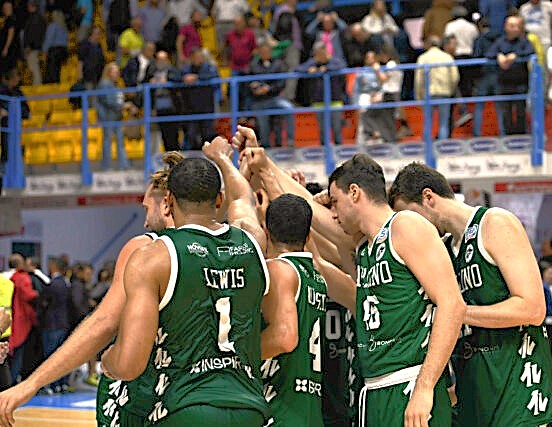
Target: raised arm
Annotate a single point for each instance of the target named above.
(412, 236)
(506, 242)
(242, 211)
(280, 311)
(90, 337)
(146, 273)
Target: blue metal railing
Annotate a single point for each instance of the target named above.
(15, 177)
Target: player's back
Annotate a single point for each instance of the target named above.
(293, 381)
(207, 349)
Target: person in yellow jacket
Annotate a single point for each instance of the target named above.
(6, 295)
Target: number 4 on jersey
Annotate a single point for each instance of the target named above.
(315, 347)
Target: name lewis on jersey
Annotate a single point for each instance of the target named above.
(229, 278)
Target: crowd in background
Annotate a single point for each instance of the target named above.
(46, 307)
(159, 41)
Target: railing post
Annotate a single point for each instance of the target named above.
(15, 174)
(537, 114)
(234, 110)
(147, 131)
(428, 120)
(86, 174)
(395, 7)
(327, 118)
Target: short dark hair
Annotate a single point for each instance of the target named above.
(314, 188)
(288, 220)
(60, 263)
(195, 180)
(411, 181)
(363, 171)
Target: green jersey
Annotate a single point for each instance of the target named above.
(293, 381)
(503, 376)
(207, 349)
(394, 314)
(113, 395)
(341, 380)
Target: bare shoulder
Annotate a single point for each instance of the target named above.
(135, 243)
(500, 220)
(151, 255)
(409, 222)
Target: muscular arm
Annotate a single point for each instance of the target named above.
(436, 275)
(506, 242)
(146, 273)
(90, 337)
(280, 311)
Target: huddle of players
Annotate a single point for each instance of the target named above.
(203, 339)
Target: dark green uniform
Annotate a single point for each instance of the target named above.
(503, 376)
(206, 358)
(341, 380)
(293, 381)
(393, 318)
(113, 395)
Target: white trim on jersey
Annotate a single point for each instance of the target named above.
(456, 249)
(486, 255)
(281, 258)
(394, 253)
(174, 271)
(297, 254)
(261, 259)
(398, 377)
(217, 232)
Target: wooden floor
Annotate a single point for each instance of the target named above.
(53, 417)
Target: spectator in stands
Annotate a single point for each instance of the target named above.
(330, 33)
(38, 278)
(55, 46)
(153, 16)
(391, 83)
(100, 288)
(117, 15)
(465, 32)
(110, 108)
(182, 10)
(136, 70)
(6, 297)
(91, 59)
(356, 44)
(55, 315)
(266, 96)
(8, 38)
(199, 99)
(321, 62)
(285, 27)
(9, 86)
(443, 81)
(164, 99)
(189, 38)
(240, 46)
(33, 35)
(226, 13)
(368, 91)
(131, 41)
(24, 314)
(262, 35)
(381, 25)
(537, 15)
(487, 83)
(86, 10)
(436, 18)
(496, 12)
(511, 52)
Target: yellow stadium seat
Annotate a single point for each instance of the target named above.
(35, 146)
(208, 36)
(61, 146)
(73, 117)
(61, 104)
(94, 145)
(134, 148)
(35, 121)
(42, 106)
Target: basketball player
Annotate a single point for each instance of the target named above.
(294, 310)
(502, 359)
(96, 331)
(192, 317)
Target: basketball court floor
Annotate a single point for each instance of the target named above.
(63, 410)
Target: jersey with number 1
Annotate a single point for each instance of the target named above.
(207, 349)
(393, 313)
(293, 381)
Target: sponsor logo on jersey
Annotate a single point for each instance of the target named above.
(198, 249)
(379, 252)
(471, 232)
(243, 249)
(382, 236)
(469, 253)
(217, 363)
(308, 386)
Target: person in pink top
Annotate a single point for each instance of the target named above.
(189, 38)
